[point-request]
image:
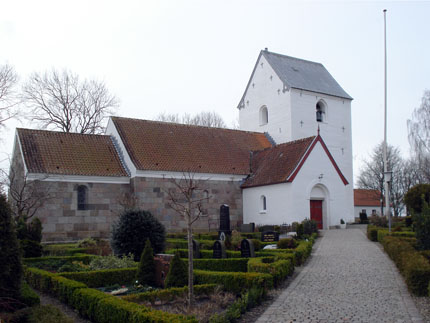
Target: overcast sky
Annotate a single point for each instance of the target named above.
(191, 56)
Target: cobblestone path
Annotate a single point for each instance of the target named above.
(348, 279)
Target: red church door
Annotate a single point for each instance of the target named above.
(316, 212)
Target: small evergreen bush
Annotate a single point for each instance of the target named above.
(10, 259)
(30, 235)
(130, 232)
(408, 221)
(31, 248)
(414, 197)
(177, 275)
(112, 262)
(309, 226)
(300, 230)
(287, 243)
(146, 270)
(422, 227)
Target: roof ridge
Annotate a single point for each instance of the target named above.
(62, 132)
(291, 57)
(287, 143)
(188, 125)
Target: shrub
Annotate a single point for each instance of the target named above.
(169, 294)
(112, 262)
(130, 232)
(278, 269)
(105, 277)
(48, 314)
(28, 296)
(228, 264)
(300, 230)
(415, 196)
(87, 242)
(233, 281)
(380, 221)
(31, 248)
(287, 243)
(309, 226)
(73, 266)
(257, 244)
(10, 260)
(372, 233)
(408, 221)
(422, 227)
(416, 270)
(146, 270)
(178, 274)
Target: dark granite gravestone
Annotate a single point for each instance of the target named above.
(196, 249)
(267, 228)
(247, 248)
(270, 236)
(219, 250)
(247, 227)
(224, 219)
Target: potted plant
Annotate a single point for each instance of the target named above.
(342, 224)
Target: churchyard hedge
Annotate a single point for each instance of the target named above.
(279, 269)
(227, 264)
(94, 304)
(169, 294)
(55, 262)
(375, 233)
(411, 263)
(233, 281)
(69, 249)
(105, 277)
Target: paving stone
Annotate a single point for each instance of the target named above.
(348, 279)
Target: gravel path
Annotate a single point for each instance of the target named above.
(348, 279)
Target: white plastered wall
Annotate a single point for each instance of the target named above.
(290, 202)
(266, 89)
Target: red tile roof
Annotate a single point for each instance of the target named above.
(364, 197)
(164, 146)
(275, 165)
(61, 153)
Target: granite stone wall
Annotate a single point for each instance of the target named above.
(152, 194)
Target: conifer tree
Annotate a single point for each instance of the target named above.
(146, 271)
(10, 259)
(177, 275)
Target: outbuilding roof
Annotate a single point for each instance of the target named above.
(363, 197)
(165, 146)
(60, 153)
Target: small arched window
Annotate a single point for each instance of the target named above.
(82, 197)
(264, 115)
(321, 111)
(263, 204)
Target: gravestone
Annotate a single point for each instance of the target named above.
(196, 249)
(224, 219)
(222, 236)
(219, 250)
(247, 227)
(270, 236)
(247, 248)
(265, 228)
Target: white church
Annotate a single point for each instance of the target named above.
(290, 160)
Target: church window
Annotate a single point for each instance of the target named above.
(264, 115)
(263, 205)
(321, 111)
(82, 197)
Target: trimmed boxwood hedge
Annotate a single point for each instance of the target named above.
(58, 260)
(169, 294)
(411, 263)
(232, 281)
(96, 305)
(227, 264)
(206, 254)
(279, 269)
(28, 296)
(183, 244)
(105, 277)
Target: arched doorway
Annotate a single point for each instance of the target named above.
(319, 205)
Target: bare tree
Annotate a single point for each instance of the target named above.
(206, 119)
(372, 175)
(187, 198)
(26, 196)
(419, 135)
(8, 99)
(60, 101)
